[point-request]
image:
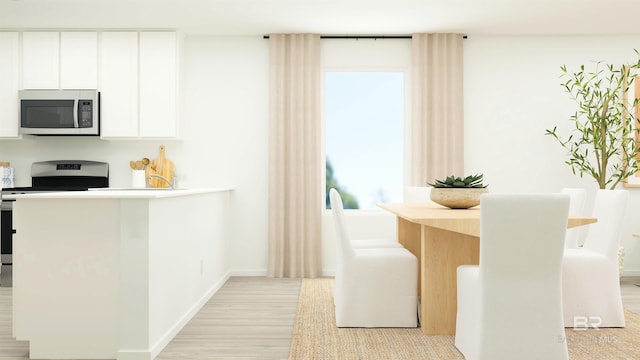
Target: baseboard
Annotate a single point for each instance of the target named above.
(133, 355)
(332, 272)
(631, 273)
(329, 273)
(325, 273)
(249, 273)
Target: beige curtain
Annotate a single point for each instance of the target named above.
(295, 201)
(437, 123)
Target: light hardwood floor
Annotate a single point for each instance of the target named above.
(249, 318)
(631, 293)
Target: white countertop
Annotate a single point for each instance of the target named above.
(122, 193)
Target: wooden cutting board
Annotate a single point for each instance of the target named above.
(163, 167)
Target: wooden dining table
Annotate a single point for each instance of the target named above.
(442, 239)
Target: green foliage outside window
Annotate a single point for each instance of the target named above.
(348, 200)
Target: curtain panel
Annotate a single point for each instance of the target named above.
(437, 122)
(295, 204)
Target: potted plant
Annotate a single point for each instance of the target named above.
(604, 123)
(458, 192)
(603, 142)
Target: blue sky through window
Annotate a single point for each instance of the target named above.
(364, 114)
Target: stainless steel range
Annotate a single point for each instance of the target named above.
(46, 176)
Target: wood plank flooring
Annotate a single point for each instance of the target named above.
(249, 318)
(630, 293)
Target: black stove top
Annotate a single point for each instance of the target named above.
(34, 189)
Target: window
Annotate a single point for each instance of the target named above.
(364, 116)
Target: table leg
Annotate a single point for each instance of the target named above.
(409, 236)
(442, 252)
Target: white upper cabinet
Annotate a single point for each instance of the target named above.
(10, 84)
(40, 60)
(158, 84)
(52, 60)
(119, 84)
(78, 60)
(139, 84)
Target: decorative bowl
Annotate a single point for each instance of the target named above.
(457, 198)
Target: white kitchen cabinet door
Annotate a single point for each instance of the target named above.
(10, 84)
(79, 60)
(40, 60)
(119, 84)
(158, 84)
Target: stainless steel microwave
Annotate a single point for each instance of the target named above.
(60, 112)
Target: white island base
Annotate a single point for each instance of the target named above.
(114, 274)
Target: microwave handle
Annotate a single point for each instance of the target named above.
(76, 104)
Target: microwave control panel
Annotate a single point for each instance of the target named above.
(85, 113)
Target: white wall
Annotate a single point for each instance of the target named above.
(21, 153)
(512, 94)
(226, 93)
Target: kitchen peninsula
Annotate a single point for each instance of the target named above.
(114, 274)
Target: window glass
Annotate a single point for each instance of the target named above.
(364, 114)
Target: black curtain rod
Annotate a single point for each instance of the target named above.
(363, 37)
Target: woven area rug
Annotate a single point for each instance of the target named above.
(315, 336)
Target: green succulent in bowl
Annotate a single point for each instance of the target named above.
(471, 181)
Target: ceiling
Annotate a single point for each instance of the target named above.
(338, 17)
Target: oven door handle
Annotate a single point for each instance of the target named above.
(76, 105)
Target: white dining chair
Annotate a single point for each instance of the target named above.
(363, 243)
(374, 287)
(510, 306)
(577, 205)
(591, 285)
